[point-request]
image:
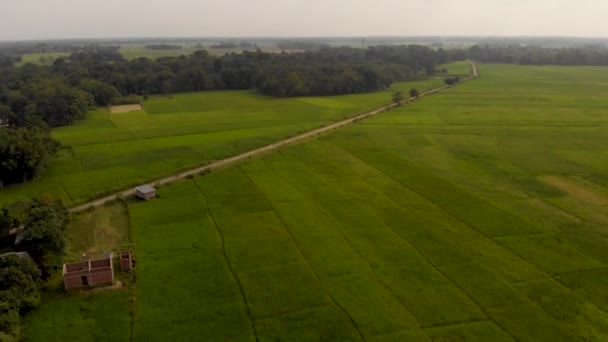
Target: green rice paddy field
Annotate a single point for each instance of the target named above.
(479, 214)
(107, 151)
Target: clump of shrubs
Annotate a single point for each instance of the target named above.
(452, 81)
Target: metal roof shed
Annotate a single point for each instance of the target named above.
(145, 192)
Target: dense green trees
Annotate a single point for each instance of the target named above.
(43, 238)
(42, 222)
(24, 153)
(102, 93)
(19, 293)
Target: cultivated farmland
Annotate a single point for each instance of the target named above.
(108, 151)
(477, 214)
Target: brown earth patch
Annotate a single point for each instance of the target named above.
(125, 108)
(575, 190)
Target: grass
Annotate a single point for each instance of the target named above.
(43, 58)
(93, 232)
(456, 68)
(427, 223)
(107, 152)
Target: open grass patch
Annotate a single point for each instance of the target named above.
(92, 233)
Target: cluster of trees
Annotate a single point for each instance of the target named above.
(42, 223)
(536, 55)
(20, 285)
(24, 153)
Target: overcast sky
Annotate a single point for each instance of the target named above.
(41, 19)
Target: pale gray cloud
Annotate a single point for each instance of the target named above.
(38, 19)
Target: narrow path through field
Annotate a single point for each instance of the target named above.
(268, 148)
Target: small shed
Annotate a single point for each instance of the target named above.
(145, 192)
(89, 273)
(126, 261)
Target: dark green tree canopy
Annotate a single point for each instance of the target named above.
(24, 153)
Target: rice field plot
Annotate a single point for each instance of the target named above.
(431, 222)
(102, 316)
(108, 151)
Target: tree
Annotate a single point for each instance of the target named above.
(24, 154)
(19, 289)
(102, 93)
(44, 239)
(398, 97)
(414, 93)
(19, 293)
(449, 81)
(57, 103)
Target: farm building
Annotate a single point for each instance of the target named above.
(89, 273)
(145, 192)
(126, 261)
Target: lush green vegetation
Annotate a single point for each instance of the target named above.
(24, 154)
(99, 314)
(434, 221)
(35, 228)
(476, 214)
(108, 151)
(59, 94)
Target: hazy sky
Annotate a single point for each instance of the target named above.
(38, 19)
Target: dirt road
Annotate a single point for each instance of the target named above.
(265, 149)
